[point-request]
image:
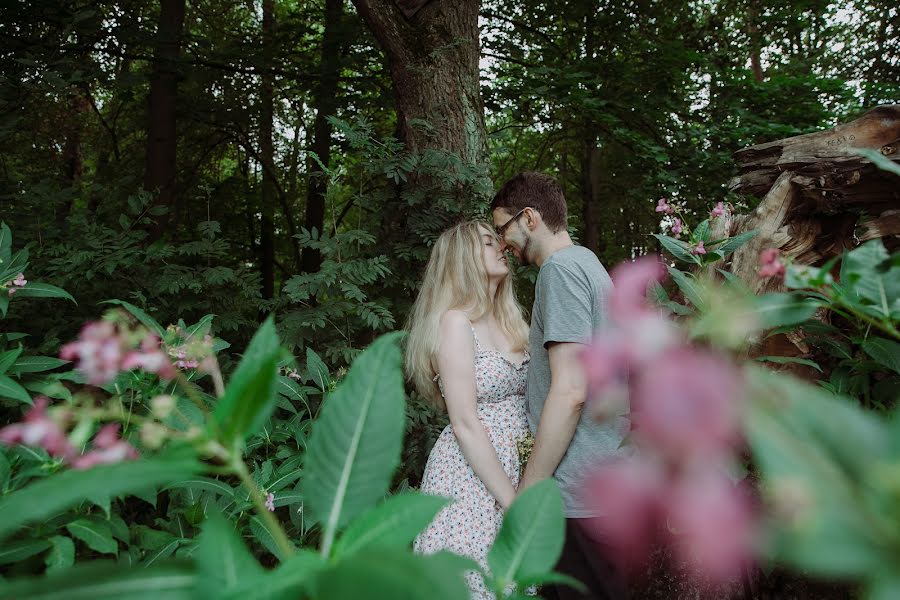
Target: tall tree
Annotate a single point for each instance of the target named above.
(162, 142)
(267, 155)
(433, 54)
(326, 105)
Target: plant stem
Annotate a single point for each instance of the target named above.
(274, 527)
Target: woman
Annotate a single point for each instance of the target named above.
(466, 352)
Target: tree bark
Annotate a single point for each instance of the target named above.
(266, 152)
(433, 59)
(326, 106)
(591, 174)
(755, 41)
(160, 169)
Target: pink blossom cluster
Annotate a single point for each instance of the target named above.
(40, 430)
(664, 207)
(270, 502)
(292, 373)
(718, 211)
(15, 284)
(699, 249)
(193, 353)
(685, 425)
(677, 227)
(103, 349)
(770, 263)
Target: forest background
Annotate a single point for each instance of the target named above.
(298, 158)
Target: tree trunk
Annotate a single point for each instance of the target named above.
(590, 171)
(755, 41)
(326, 106)
(266, 152)
(433, 58)
(159, 173)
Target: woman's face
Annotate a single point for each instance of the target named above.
(494, 257)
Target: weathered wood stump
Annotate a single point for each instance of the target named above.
(819, 198)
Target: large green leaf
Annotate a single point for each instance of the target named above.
(393, 523)
(776, 310)
(249, 397)
(140, 315)
(885, 352)
(223, 562)
(264, 536)
(677, 248)
(391, 574)
(356, 441)
(36, 364)
(61, 555)
(96, 534)
(47, 497)
(689, 287)
(866, 280)
(5, 243)
(16, 551)
(880, 160)
(531, 536)
(38, 289)
(316, 371)
(8, 358)
(11, 389)
(174, 580)
(733, 243)
(287, 582)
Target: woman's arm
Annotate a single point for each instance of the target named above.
(456, 364)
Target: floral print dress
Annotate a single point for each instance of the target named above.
(469, 524)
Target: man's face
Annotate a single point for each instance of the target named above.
(514, 237)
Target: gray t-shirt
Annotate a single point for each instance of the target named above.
(570, 304)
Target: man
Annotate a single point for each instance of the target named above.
(571, 293)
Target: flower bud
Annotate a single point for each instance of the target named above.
(162, 406)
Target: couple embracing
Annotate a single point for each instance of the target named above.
(470, 351)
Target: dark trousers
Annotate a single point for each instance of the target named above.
(586, 557)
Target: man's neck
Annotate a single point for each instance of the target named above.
(551, 246)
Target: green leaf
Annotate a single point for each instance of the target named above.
(16, 551)
(96, 534)
(45, 498)
(174, 580)
(316, 371)
(264, 536)
(204, 484)
(394, 523)
(140, 315)
(11, 389)
(777, 310)
(61, 555)
(390, 574)
(37, 289)
(688, 287)
(880, 160)
(287, 582)
(782, 360)
(36, 364)
(249, 397)
(731, 244)
(356, 441)
(5, 243)
(677, 248)
(866, 280)
(222, 559)
(8, 358)
(4, 304)
(885, 352)
(531, 536)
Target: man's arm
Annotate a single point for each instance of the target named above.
(559, 418)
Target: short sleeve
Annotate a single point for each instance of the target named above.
(567, 303)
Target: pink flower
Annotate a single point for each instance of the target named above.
(677, 227)
(38, 429)
(713, 523)
(99, 352)
(150, 358)
(631, 280)
(664, 207)
(270, 502)
(12, 291)
(686, 404)
(108, 449)
(699, 249)
(770, 265)
(718, 211)
(626, 494)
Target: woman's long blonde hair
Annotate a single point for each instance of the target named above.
(456, 278)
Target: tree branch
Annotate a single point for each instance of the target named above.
(389, 26)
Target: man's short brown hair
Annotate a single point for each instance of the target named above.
(539, 191)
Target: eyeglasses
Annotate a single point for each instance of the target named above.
(501, 231)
